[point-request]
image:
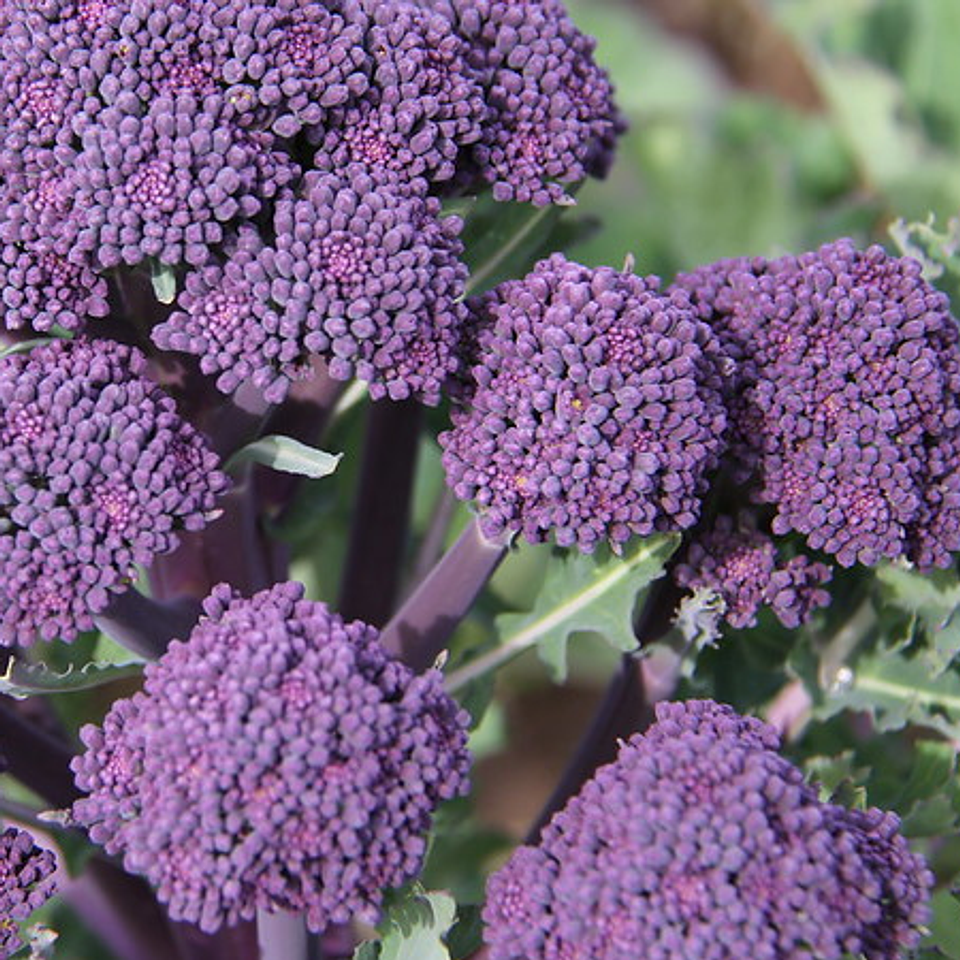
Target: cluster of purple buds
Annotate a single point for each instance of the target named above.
(26, 883)
(154, 135)
(98, 472)
(593, 411)
(363, 273)
(279, 759)
(700, 840)
(845, 404)
(741, 565)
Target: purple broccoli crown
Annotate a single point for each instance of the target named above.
(364, 274)
(97, 474)
(741, 565)
(700, 840)
(277, 759)
(552, 120)
(847, 409)
(594, 409)
(26, 883)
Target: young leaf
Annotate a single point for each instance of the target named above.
(934, 598)
(413, 928)
(287, 455)
(164, 280)
(21, 680)
(593, 593)
(24, 346)
(897, 690)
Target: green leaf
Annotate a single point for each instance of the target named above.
(413, 927)
(937, 251)
(21, 680)
(287, 455)
(896, 691)
(164, 280)
(503, 240)
(466, 937)
(582, 593)
(945, 924)
(933, 598)
(368, 950)
(24, 346)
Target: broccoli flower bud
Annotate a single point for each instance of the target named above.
(364, 273)
(278, 759)
(551, 120)
(26, 883)
(700, 840)
(848, 413)
(97, 474)
(593, 408)
(742, 566)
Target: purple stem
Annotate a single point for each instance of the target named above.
(282, 936)
(230, 943)
(38, 759)
(381, 514)
(121, 910)
(627, 705)
(420, 629)
(146, 626)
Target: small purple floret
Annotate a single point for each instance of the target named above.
(26, 883)
(98, 473)
(700, 840)
(593, 409)
(278, 759)
(846, 402)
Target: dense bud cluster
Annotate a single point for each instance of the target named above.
(220, 138)
(278, 759)
(97, 474)
(701, 841)
(26, 883)
(594, 408)
(845, 404)
(364, 274)
(741, 565)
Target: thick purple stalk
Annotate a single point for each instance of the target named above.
(38, 759)
(230, 943)
(420, 629)
(282, 936)
(381, 513)
(146, 626)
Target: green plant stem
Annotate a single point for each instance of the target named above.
(381, 514)
(422, 626)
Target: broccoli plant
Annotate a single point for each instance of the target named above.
(317, 414)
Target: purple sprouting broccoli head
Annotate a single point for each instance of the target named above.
(26, 883)
(98, 472)
(278, 759)
(363, 273)
(700, 840)
(551, 118)
(741, 564)
(592, 411)
(847, 414)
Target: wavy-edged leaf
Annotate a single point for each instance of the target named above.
(413, 927)
(287, 455)
(937, 250)
(582, 593)
(934, 600)
(21, 680)
(896, 690)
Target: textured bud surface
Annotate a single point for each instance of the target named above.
(98, 472)
(277, 759)
(701, 841)
(593, 410)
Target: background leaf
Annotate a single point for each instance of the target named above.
(21, 680)
(288, 455)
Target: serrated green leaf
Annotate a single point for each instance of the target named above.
(897, 691)
(164, 280)
(582, 593)
(21, 680)
(415, 924)
(934, 598)
(287, 455)
(937, 251)
(368, 950)
(945, 924)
